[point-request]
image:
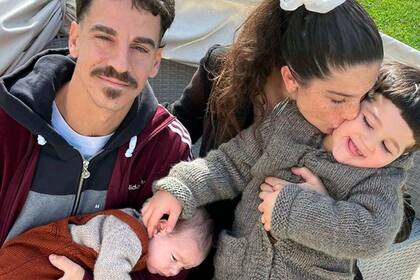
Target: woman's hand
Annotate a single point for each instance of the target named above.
(159, 204)
(311, 181)
(72, 271)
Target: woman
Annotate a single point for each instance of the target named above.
(332, 58)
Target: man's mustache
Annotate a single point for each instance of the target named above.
(110, 72)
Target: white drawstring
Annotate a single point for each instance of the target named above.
(41, 140)
(131, 147)
(128, 153)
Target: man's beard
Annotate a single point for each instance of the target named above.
(112, 93)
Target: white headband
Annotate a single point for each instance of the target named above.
(317, 6)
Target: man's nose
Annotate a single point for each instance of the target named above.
(120, 59)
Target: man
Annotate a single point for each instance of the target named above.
(84, 132)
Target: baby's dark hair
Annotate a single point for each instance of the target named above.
(202, 227)
(400, 83)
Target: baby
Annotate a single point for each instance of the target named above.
(313, 231)
(112, 243)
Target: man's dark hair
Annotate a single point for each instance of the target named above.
(164, 8)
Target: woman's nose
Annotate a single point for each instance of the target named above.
(351, 111)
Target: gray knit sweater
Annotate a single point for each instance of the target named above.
(117, 245)
(317, 236)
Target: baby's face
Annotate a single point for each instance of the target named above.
(170, 253)
(375, 138)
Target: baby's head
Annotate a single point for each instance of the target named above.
(184, 248)
(388, 124)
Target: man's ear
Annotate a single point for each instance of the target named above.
(74, 39)
(290, 83)
(156, 63)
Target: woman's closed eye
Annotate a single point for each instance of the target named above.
(338, 101)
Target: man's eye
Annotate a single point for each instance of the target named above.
(141, 49)
(173, 258)
(366, 122)
(104, 38)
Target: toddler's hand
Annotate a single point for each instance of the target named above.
(312, 182)
(270, 189)
(268, 198)
(273, 184)
(161, 203)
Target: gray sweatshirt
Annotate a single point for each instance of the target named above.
(317, 236)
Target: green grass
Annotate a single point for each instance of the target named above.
(397, 18)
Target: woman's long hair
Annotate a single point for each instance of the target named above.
(311, 44)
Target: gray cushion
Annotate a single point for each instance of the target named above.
(171, 80)
(413, 184)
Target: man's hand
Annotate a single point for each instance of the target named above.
(72, 271)
(161, 203)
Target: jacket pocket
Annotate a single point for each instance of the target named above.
(229, 257)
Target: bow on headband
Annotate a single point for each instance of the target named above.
(317, 6)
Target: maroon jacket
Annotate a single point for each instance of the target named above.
(25, 105)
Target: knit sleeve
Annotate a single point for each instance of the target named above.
(120, 250)
(117, 245)
(222, 174)
(361, 226)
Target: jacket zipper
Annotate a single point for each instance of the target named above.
(85, 174)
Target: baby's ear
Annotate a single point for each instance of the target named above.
(162, 226)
